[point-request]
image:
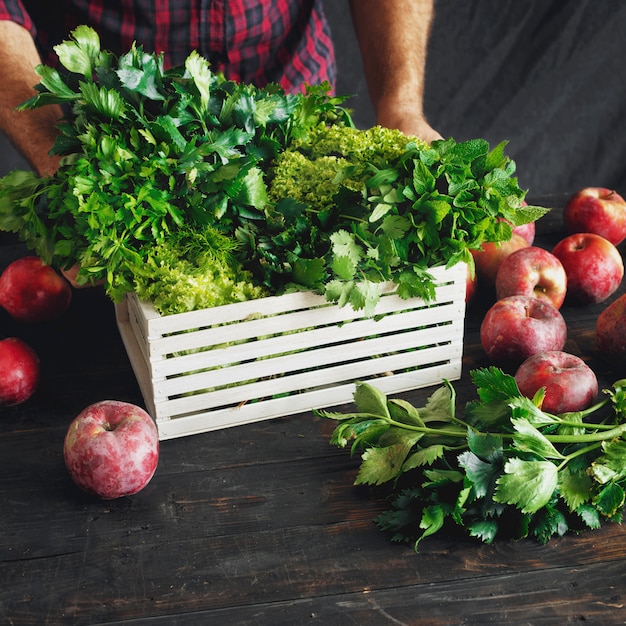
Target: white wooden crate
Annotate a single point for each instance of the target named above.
(266, 358)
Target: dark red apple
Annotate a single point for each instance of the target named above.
(517, 327)
(611, 328)
(597, 210)
(111, 449)
(570, 384)
(19, 371)
(33, 292)
(532, 271)
(593, 265)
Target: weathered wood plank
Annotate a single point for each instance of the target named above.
(565, 598)
(105, 581)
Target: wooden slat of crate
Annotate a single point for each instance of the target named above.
(207, 420)
(287, 358)
(300, 382)
(235, 353)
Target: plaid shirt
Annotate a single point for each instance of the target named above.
(256, 41)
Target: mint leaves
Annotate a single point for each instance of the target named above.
(505, 468)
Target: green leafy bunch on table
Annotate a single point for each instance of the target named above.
(195, 191)
(497, 467)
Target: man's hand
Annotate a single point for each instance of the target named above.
(407, 120)
(393, 39)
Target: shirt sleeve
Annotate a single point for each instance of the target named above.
(14, 11)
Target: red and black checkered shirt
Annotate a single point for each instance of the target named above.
(255, 41)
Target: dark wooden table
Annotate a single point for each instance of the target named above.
(258, 524)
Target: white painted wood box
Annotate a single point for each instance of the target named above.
(276, 356)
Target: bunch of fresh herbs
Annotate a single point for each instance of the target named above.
(194, 191)
(363, 207)
(155, 160)
(504, 468)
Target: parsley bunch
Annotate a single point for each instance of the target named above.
(155, 160)
(505, 468)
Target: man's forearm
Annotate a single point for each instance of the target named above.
(32, 132)
(393, 39)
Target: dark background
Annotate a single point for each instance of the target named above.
(548, 76)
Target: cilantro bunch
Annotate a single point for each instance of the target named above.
(505, 468)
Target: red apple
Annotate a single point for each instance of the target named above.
(19, 371)
(517, 327)
(111, 449)
(611, 328)
(71, 275)
(532, 271)
(597, 210)
(570, 384)
(470, 284)
(527, 231)
(593, 265)
(33, 292)
(489, 258)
